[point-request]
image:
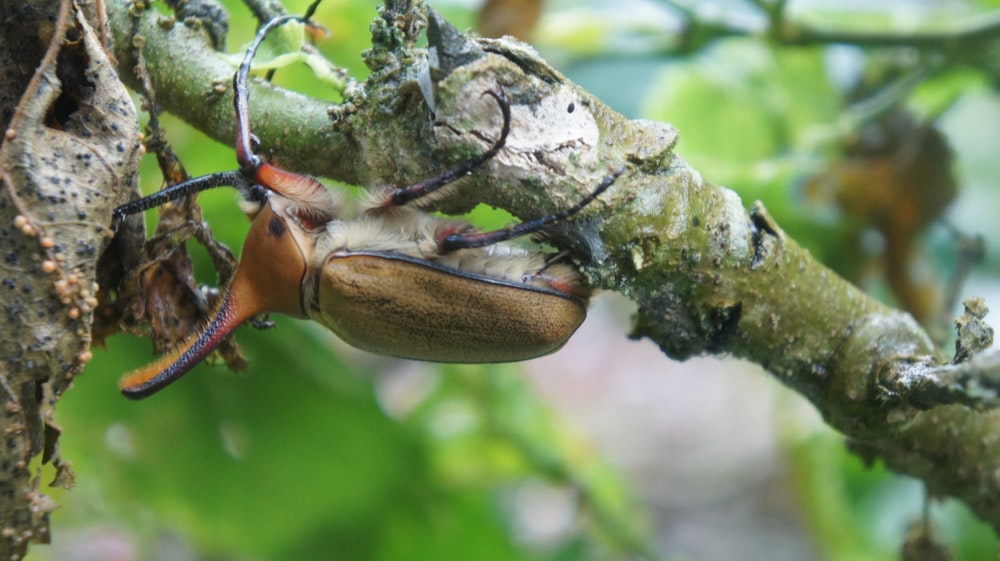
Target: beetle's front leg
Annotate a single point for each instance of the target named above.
(262, 322)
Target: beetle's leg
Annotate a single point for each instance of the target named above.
(313, 196)
(250, 175)
(450, 241)
(262, 321)
(245, 155)
(558, 273)
(406, 194)
(189, 187)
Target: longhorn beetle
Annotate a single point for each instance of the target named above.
(387, 278)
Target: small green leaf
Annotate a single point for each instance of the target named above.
(283, 47)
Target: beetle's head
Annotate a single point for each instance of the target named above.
(268, 279)
(274, 260)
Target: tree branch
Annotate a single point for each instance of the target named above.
(709, 277)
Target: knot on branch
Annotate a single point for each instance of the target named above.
(974, 335)
(972, 379)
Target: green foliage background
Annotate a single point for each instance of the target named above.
(306, 457)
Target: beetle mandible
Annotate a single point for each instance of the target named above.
(386, 278)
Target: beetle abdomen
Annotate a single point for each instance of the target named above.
(396, 305)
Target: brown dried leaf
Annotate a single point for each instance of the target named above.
(69, 157)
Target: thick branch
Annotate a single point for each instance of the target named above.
(708, 276)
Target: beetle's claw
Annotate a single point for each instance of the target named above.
(262, 322)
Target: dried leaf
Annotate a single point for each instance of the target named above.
(69, 156)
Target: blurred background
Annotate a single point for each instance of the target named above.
(869, 129)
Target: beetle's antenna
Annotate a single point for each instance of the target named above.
(453, 242)
(406, 194)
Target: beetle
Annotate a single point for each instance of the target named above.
(387, 278)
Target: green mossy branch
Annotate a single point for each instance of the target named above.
(708, 275)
